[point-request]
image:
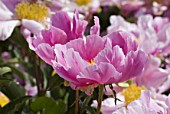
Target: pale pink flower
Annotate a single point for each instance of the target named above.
(85, 7)
(148, 30)
(9, 18)
(153, 77)
(146, 104)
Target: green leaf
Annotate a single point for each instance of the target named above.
(54, 82)
(4, 80)
(13, 90)
(58, 92)
(17, 71)
(4, 70)
(48, 105)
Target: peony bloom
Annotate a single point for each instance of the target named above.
(153, 30)
(60, 32)
(152, 72)
(76, 56)
(12, 15)
(91, 61)
(144, 105)
(134, 100)
(119, 23)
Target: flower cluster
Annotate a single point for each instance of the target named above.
(119, 49)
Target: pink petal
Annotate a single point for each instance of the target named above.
(54, 36)
(88, 49)
(61, 20)
(45, 52)
(101, 74)
(79, 26)
(96, 28)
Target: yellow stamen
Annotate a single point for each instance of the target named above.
(66, 83)
(3, 100)
(53, 73)
(132, 93)
(82, 2)
(137, 39)
(32, 11)
(88, 89)
(159, 55)
(91, 62)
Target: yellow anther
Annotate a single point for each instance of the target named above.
(32, 11)
(137, 40)
(132, 93)
(82, 2)
(66, 83)
(53, 73)
(91, 62)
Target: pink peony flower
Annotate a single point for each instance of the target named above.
(154, 30)
(60, 32)
(148, 30)
(90, 61)
(153, 72)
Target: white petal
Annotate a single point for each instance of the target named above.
(32, 26)
(5, 13)
(7, 27)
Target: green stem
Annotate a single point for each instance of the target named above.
(77, 102)
(100, 98)
(38, 76)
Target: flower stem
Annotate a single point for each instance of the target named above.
(100, 98)
(77, 102)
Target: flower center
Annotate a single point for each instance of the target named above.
(91, 62)
(32, 11)
(132, 93)
(83, 2)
